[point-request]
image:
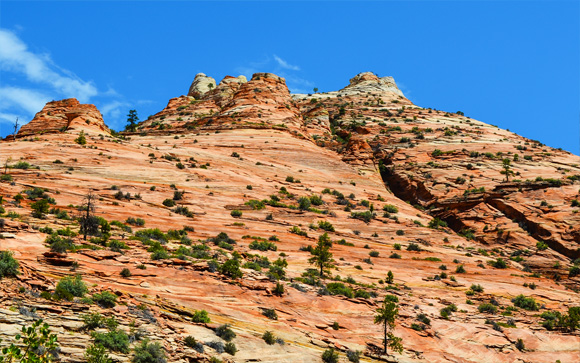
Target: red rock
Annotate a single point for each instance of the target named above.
(68, 114)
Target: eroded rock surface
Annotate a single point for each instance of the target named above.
(67, 114)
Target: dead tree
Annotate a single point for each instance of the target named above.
(89, 223)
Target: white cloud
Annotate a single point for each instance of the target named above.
(282, 63)
(114, 109)
(39, 68)
(9, 118)
(23, 99)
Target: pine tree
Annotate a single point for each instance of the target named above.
(386, 315)
(507, 169)
(132, 120)
(322, 257)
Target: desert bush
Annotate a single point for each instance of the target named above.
(114, 340)
(270, 314)
(135, 221)
(105, 299)
(192, 343)
(487, 308)
(330, 356)
(9, 266)
(269, 337)
(225, 332)
(169, 202)
(69, 287)
(200, 316)
(147, 352)
(527, 303)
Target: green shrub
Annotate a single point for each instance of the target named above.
(169, 202)
(316, 200)
(269, 337)
(22, 165)
(498, 263)
(192, 343)
(105, 299)
(446, 311)
(353, 355)
(236, 213)
(40, 208)
(139, 222)
(231, 268)
(225, 332)
(117, 246)
(477, 288)
(6, 177)
(487, 308)
(200, 316)
(125, 273)
(81, 140)
(435, 223)
(365, 216)
(147, 352)
(338, 288)
(263, 246)
(96, 353)
(278, 290)
(574, 271)
(400, 232)
(325, 225)
(527, 303)
(389, 208)
(183, 210)
(374, 253)
(270, 314)
(114, 340)
(413, 247)
(230, 348)
(160, 254)
(69, 287)
(330, 356)
(9, 266)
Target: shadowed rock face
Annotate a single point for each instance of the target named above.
(235, 145)
(64, 115)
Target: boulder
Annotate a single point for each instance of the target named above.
(201, 84)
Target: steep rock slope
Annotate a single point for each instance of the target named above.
(359, 153)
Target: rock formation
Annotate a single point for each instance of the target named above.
(398, 188)
(201, 85)
(67, 114)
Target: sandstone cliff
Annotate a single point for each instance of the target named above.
(398, 188)
(67, 114)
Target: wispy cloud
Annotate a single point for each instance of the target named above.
(39, 68)
(280, 67)
(30, 79)
(114, 109)
(23, 99)
(282, 63)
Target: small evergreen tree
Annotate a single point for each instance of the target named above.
(321, 255)
(132, 120)
(386, 315)
(81, 140)
(507, 169)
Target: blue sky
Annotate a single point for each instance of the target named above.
(514, 64)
